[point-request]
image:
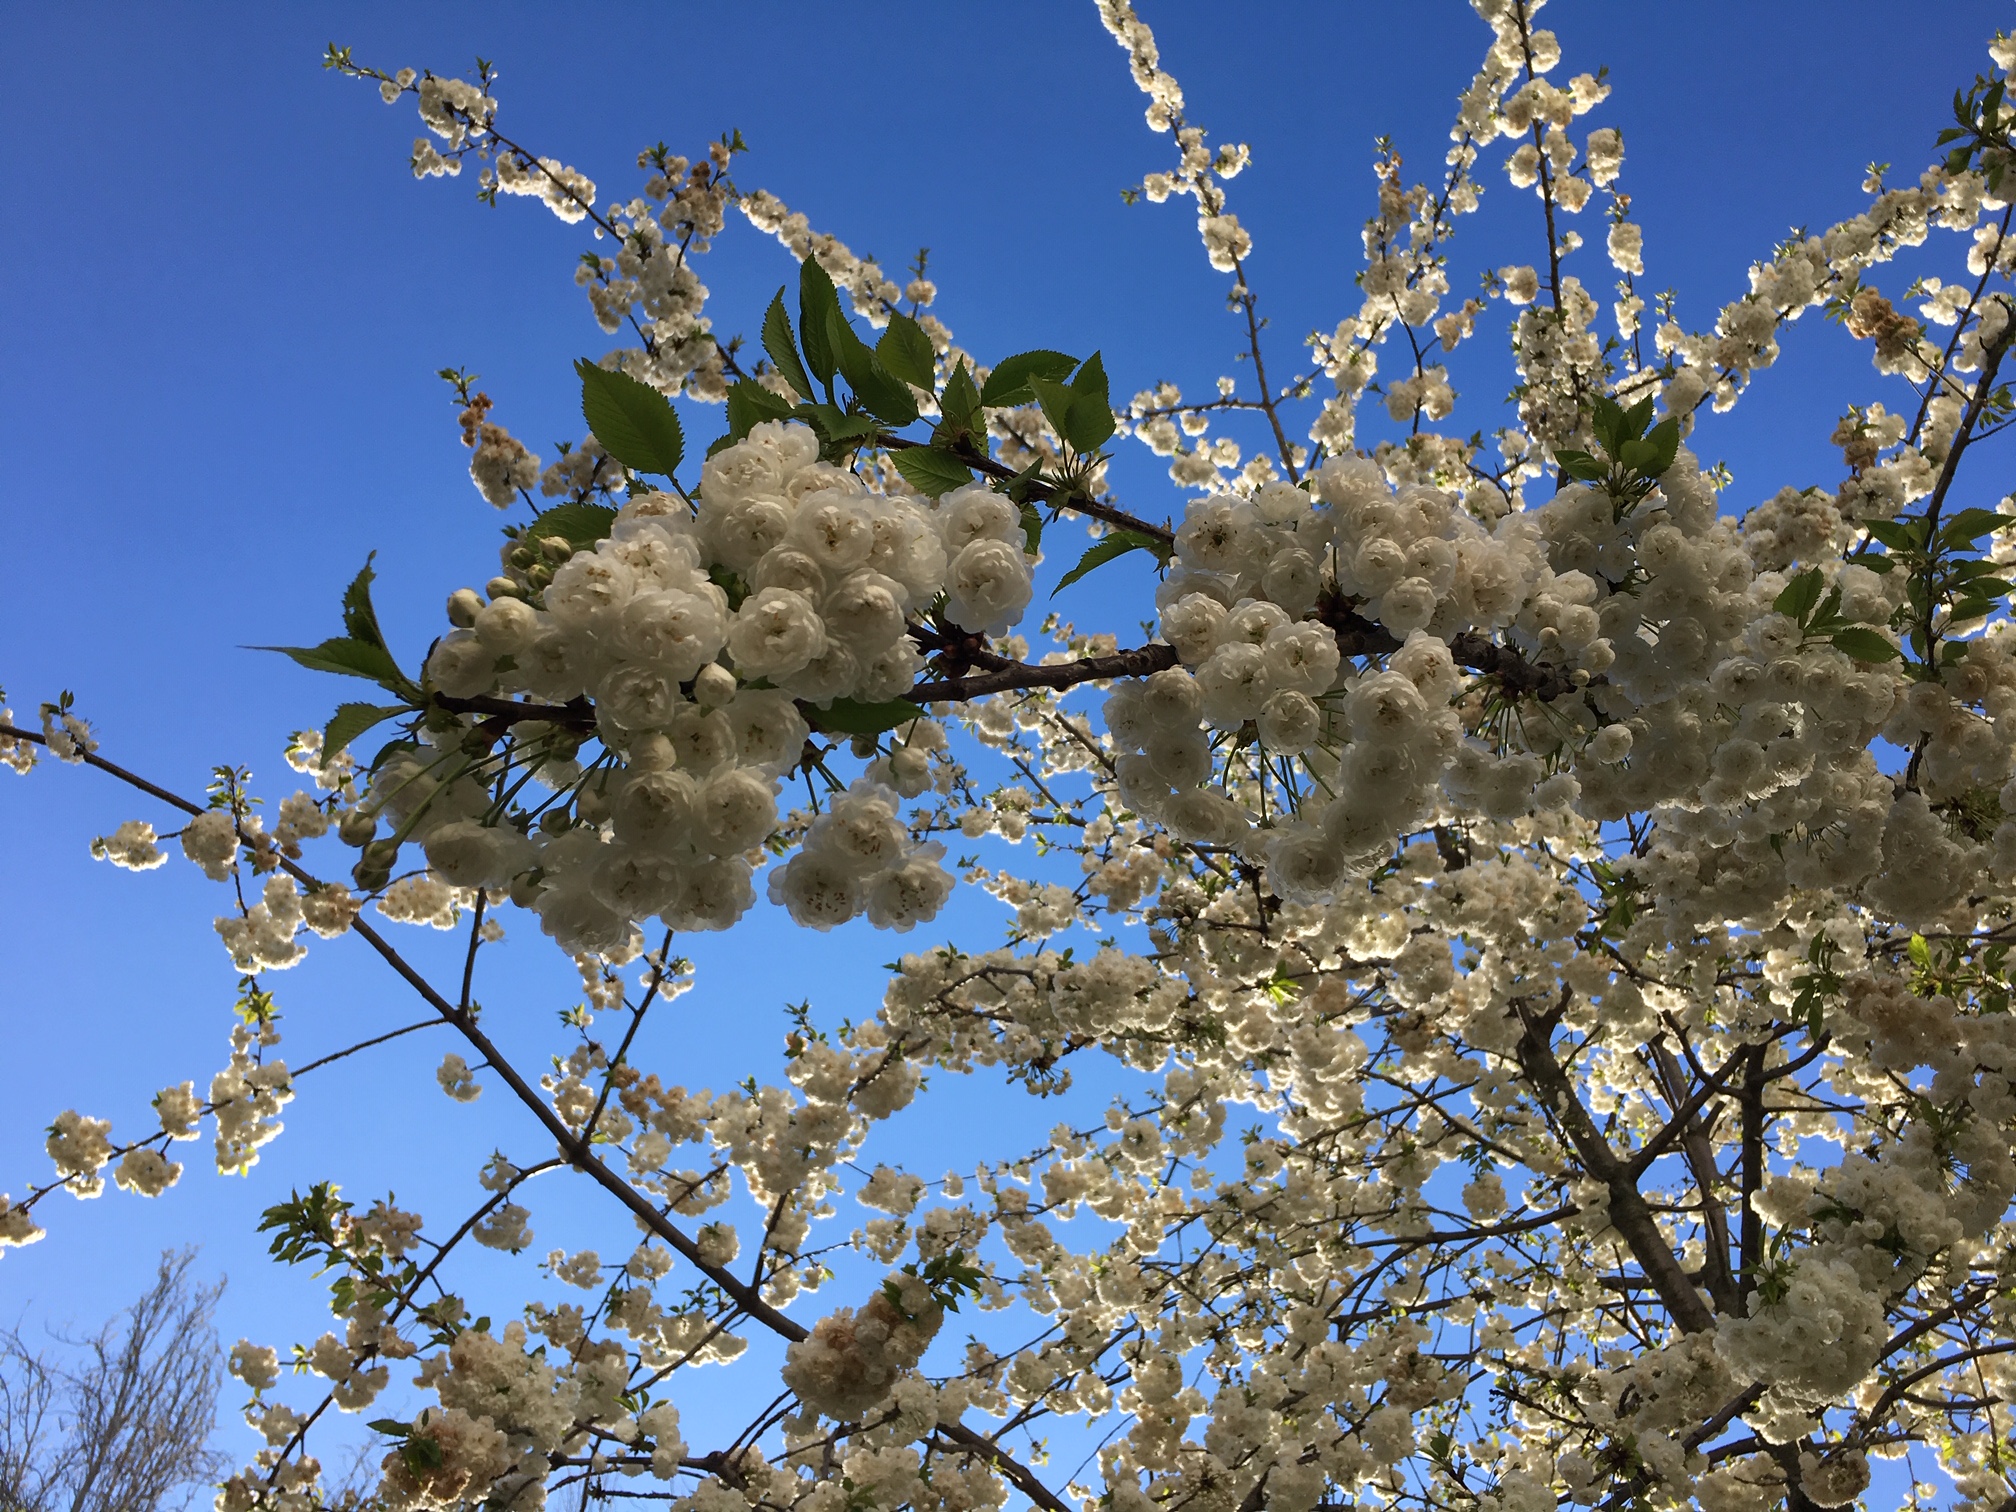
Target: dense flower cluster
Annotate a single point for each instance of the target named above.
(694, 683)
(853, 1359)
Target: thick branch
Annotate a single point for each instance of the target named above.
(1693, 1136)
(1751, 1166)
(1016, 675)
(1359, 636)
(1629, 1213)
(577, 715)
(1983, 389)
(1018, 1474)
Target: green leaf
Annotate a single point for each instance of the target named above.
(818, 303)
(834, 423)
(1898, 535)
(1102, 551)
(749, 404)
(1032, 529)
(390, 1425)
(1580, 465)
(1638, 417)
(421, 1454)
(1971, 525)
(389, 750)
(1091, 419)
(579, 525)
(885, 396)
(1025, 482)
(931, 471)
(632, 420)
(1008, 384)
(848, 716)
(1829, 609)
(782, 350)
(1800, 595)
(1638, 456)
(1665, 436)
(960, 403)
(1056, 399)
(350, 721)
(1962, 571)
(729, 582)
(350, 658)
(1607, 421)
(906, 352)
(359, 618)
(1865, 645)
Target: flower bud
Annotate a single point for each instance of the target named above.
(357, 827)
(652, 752)
(909, 770)
(592, 805)
(502, 587)
(525, 890)
(463, 606)
(555, 549)
(713, 686)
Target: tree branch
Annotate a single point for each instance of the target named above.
(1012, 676)
(1629, 1213)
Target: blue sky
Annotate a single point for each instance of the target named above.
(217, 395)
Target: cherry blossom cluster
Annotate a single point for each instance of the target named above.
(852, 1360)
(695, 691)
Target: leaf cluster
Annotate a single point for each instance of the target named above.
(304, 1228)
(1620, 892)
(949, 1276)
(1944, 575)
(1952, 970)
(1821, 983)
(416, 1448)
(865, 388)
(1820, 618)
(1632, 458)
(1978, 137)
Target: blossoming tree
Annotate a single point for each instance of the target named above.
(1601, 897)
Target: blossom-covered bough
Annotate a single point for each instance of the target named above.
(1597, 892)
